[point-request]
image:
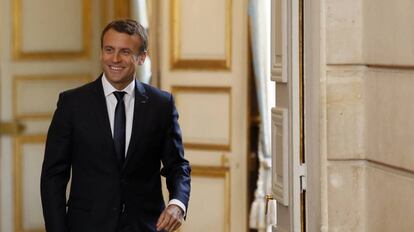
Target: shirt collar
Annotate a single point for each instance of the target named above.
(109, 89)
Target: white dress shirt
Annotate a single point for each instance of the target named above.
(129, 100)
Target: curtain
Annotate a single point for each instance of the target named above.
(259, 15)
(140, 13)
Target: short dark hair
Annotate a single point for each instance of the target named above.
(130, 27)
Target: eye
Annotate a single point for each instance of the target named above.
(108, 50)
(126, 52)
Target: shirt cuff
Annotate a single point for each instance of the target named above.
(179, 204)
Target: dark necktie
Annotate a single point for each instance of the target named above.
(119, 127)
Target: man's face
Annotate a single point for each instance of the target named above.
(119, 56)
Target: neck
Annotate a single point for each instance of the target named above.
(120, 86)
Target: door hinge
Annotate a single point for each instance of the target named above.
(302, 177)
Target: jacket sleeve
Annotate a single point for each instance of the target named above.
(56, 169)
(176, 168)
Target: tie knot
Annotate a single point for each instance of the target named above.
(119, 95)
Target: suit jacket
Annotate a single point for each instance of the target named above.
(79, 144)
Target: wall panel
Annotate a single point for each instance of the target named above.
(346, 196)
(211, 158)
(389, 117)
(27, 165)
(205, 116)
(389, 199)
(280, 155)
(36, 96)
(61, 30)
(190, 49)
(344, 30)
(345, 114)
(388, 32)
(216, 208)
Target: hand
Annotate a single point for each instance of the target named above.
(170, 219)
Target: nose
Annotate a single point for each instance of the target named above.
(116, 58)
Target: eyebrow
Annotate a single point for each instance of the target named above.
(107, 46)
(126, 49)
(122, 49)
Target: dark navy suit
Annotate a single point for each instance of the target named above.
(80, 143)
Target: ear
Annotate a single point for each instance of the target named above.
(141, 58)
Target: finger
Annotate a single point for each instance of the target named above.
(175, 222)
(169, 227)
(164, 222)
(176, 225)
(178, 219)
(161, 218)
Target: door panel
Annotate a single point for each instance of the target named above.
(287, 117)
(204, 63)
(43, 51)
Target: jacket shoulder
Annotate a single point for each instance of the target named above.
(84, 89)
(157, 94)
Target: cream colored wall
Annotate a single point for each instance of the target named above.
(367, 115)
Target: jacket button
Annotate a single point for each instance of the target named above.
(123, 181)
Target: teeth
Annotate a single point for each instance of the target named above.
(116, 68)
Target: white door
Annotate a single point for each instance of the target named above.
(204, 63)
(288, 171)
(43, 51)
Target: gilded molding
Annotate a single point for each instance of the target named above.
(19, 142)
(104, 13)
(218, 172)
(19, 54)
(122, 9)
(177, 62)
(207, 146)
(41, 115)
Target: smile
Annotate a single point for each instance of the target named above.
(116, 68)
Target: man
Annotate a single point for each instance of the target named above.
(112, 135)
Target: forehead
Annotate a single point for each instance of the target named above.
(118, 39)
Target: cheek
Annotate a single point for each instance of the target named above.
(105, 58)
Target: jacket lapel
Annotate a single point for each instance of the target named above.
(102, 116)
(141, 102)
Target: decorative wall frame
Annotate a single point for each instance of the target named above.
(18, 80)
(218, 172)
(280, 154)
(279, 53)
(176, 60)
(19, 142)
(176, 90)
(18, 52)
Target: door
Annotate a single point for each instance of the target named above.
(288, 146)
(43, 51)
(204, 63)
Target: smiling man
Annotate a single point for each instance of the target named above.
(113, 134)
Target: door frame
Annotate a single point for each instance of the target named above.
(313, 56)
